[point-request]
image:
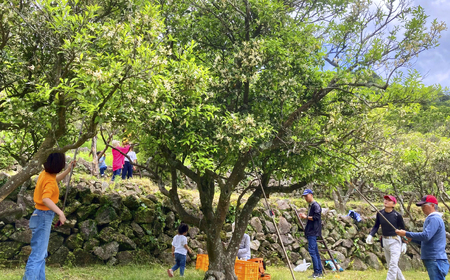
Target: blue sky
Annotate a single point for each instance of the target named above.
(435, 63)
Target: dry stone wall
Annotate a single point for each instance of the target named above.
(128, 225)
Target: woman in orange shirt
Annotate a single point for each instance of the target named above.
(46, 195)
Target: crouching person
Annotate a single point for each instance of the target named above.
(244, 252)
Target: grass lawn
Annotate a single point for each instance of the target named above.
(159, 272)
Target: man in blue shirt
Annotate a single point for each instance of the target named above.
(312, 230)
(432, 239)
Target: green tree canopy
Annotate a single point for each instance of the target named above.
(211, 87)
(285, 84)
(67, 61)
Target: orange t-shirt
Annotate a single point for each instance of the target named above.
(46, 187)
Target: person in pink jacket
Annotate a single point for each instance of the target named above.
(118, 158)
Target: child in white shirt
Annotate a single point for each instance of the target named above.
(179, 250)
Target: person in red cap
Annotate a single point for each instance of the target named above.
(391, 242)
(432, 239)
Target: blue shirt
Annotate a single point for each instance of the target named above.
(432, 238)
(314, 227)
(102, 162)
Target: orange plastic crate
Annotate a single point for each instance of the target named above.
(260, 263)
(262, 271)
(246, 270)
(202, 262)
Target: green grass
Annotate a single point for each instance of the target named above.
(158, 272)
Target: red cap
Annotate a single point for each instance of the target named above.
(391, 198)
(427, 199)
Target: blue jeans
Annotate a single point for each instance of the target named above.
(117, 172)
(437, 269)
(313, 250)
(40, 225)
(127, 170)
(180, 262)
(102, 170)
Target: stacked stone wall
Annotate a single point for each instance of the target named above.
(127, 225)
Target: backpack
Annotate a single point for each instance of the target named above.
(354, 215)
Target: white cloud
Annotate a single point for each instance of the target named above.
(434, 63)
(443, 77)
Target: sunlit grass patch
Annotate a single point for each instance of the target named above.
(157, 272)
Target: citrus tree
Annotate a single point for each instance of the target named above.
(416, 141)
(281, 84)
(70, 63)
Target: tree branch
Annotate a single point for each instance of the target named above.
(185, 216)
(285, 189)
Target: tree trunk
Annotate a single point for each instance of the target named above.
(221, 260)
(33, 167)
(409, 207)
(443, 201)
(94, 169)
(440, 184)
(400, 199)
(442, 193)
(221, 267)
(340, 200)
(20, 200)
(212, 218)
(339, 204)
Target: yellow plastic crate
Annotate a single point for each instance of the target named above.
(202, 262)
(260, 263)
(246, 270)
(262, 271)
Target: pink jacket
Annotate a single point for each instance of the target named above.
(118, 158)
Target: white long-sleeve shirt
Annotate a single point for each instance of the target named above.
(244, 248)
(132, 155)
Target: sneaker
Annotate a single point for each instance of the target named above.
(170, 272)
(315, 275)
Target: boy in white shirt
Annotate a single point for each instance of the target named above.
(127, 170)
(179, 250)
